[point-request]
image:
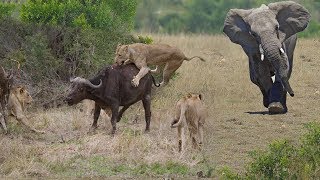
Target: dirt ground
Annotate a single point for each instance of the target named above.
(237, 124)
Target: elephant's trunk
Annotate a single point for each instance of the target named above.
(279, 60)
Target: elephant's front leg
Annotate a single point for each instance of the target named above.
(277, 98)
(260, 75)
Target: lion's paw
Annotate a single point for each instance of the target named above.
(135, 82)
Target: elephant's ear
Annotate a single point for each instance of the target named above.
(237, 29)
(292, 17)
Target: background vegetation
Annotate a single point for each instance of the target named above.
(203, 16)
(46, 42)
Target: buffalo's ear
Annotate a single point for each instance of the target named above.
(291, 16)
(238, 30)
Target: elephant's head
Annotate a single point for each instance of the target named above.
(263, 30)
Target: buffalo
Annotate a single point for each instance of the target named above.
(111, 88)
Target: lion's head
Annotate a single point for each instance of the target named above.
(22, 95)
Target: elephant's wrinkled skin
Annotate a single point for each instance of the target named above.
(268, 36)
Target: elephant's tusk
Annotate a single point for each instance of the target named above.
(273, 78)
(281, 50)
(261, 52)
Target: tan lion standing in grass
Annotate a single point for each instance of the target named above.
(18, 99)
(190, 113)
(143, 55)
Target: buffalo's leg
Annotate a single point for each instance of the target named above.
(147, 111)
(168, 71)
(114, 117)
(96, 115)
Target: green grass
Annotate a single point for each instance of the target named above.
(101, 165)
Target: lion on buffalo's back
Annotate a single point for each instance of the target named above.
(168, 57)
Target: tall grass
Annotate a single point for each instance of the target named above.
(235, 125)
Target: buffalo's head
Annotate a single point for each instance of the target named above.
(79, 90)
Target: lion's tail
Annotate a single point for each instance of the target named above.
(176, 123)
(188, 59)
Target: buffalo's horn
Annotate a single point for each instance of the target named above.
(75, 79)
(92, 85)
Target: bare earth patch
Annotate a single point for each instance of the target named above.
(237, 123)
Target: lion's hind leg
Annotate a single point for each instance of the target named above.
(169, 69)
(23, 120)
(200, 134)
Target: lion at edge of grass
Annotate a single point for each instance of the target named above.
(18, 99)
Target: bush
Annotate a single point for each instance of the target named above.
(284, 160)
(108, 15)
(6, 9)
(54, 40)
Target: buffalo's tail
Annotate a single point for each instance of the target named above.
(154, 82)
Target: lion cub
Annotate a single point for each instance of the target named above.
(191, 113)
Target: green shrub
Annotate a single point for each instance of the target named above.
(274, 163)
(54, 40)
(6, 9)
(284, 160)
(102, 14)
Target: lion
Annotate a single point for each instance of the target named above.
(18, 99)
(190, 112)
(165, 56)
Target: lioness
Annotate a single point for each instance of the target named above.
(18, 99)
(190, 112)
(143, 55)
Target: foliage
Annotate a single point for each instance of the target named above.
(101, 14)
(6, 9)
(203, 16)
(284, 160)
(73, 38)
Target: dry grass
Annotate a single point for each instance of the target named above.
(231, 132)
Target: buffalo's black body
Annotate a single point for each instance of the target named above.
(114, 91)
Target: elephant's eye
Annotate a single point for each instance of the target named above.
(277, 27)
(253, 34)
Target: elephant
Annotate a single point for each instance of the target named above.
(268, 36)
